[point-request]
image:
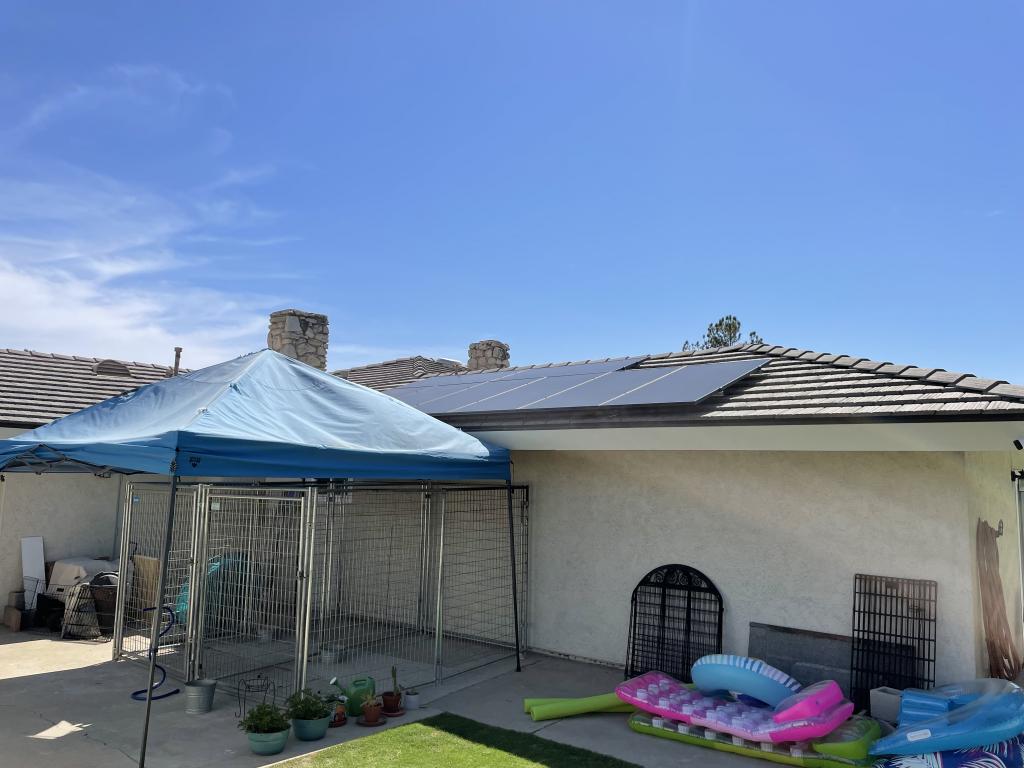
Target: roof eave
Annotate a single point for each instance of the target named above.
(672, 416)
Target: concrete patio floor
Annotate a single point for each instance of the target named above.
(63, 705)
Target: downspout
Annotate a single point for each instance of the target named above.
(3, 495)
(1017, 477)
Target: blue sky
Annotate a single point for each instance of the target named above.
(579, 179)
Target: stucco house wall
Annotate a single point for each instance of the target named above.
(75, 514)
(780, 533)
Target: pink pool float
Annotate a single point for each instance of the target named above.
(809, 714)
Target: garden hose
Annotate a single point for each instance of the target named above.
(140, 695)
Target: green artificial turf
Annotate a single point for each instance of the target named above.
(454, 742)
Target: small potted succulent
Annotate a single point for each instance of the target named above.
(267, 729)
(310, 713)
(372, 709)
(392, 700)
(411, 698)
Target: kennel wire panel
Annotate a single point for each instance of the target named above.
(248, 611)
(418, 578)
(299, 584)
(142, 537)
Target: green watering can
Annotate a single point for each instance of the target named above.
(358, 690)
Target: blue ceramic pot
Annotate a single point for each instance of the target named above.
(268, 743)
(311, 730)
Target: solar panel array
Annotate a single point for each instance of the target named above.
(580, 385)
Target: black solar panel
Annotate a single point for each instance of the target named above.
(534, 391)
(541, 372)
(601, 388)
(687, 384)
(455, 400)
(574, 369)
(585, 385)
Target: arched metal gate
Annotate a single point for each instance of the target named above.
(675, 618)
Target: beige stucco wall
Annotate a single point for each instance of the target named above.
(781, 533)
(75, 515)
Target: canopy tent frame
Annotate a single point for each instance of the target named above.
(260, 415)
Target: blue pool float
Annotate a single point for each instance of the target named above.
(917, 705)
(986, 718)
(743, 675)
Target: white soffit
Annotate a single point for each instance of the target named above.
(933, 436)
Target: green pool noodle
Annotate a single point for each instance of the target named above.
(617, 706)
(529, 704)
(606, 702)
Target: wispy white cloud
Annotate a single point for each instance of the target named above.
(139, 87)
(101, 277)
(242, 177)
(250, 242)
(94, 265)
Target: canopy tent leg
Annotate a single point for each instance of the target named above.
(154, 638)
(515, 586)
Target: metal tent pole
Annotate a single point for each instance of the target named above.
(158, 613)
(515, 585)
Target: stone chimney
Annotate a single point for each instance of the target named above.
(301, 335)
(486, 354)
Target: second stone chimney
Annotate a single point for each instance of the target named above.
(487, 354)
(301, 335)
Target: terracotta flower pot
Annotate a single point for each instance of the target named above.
(339, 715)
(371, 713)
(392, 701)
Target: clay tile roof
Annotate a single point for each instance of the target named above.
(805, 386)
(391, 373)
(38, 387)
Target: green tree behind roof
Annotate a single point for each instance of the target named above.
(722, 333)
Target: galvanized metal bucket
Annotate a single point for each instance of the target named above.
(199, 696)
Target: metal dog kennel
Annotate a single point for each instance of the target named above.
(300, 583)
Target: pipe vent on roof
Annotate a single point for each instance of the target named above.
(111, 368)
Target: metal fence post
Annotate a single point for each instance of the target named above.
(309, 536)
(199, 581)
(515, 585)
(301, 587)
(123, 566)
(439, 618)
(158, 612)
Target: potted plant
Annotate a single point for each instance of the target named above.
(372, 707)
(340, 705)
(310, 714)
(392, 700)
(411, 698)
(267, 728)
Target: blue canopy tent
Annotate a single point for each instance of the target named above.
(262, 415)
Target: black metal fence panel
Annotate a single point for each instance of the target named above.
(894, 624)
